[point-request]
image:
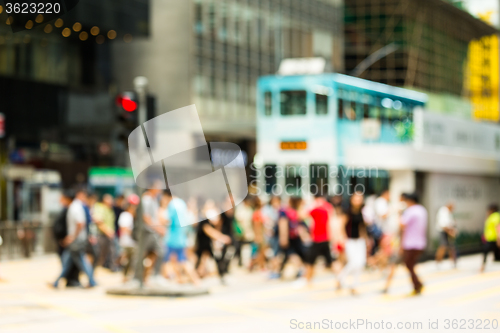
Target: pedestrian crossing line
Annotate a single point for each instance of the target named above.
(79, 315)
(289, 289)
(448, 285)
(326, 288)
(278, 305)
(189, 321)
(475, 296)
(246, 311)
(400, 279)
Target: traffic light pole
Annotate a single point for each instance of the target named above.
(140, 85)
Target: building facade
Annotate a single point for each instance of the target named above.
(211, 52)
(431, 38)
(56, 85)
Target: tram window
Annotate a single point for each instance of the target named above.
(293, 181)
(350, 112)
(398, 114)
(385, 114)
(321, 104)
(293, 102)
(374, 112)
(366, 111)
(341, 108)
(318, 175)
(268, 103)
(270, 177)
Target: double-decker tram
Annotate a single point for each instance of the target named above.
(338, 134)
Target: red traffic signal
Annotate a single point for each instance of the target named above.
(129, 105)
(126, 102)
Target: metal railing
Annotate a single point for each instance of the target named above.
(25, 239)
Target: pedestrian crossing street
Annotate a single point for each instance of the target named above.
(250, 303)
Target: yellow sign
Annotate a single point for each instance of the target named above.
(293, 145)
(482, 78)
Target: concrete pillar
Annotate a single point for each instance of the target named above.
(401, 181)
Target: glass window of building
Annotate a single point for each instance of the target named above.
(268, 103)
(321, 104)
(293, 102)
(198, 13)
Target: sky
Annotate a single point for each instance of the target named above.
(484, 7)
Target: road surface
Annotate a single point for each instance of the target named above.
(251, 303)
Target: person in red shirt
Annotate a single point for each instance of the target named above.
(320, 214)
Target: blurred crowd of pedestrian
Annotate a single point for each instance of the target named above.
(154, 239)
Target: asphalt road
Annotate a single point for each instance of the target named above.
(460, 299)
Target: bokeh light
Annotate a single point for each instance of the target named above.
(59, 23)
(84, 35)
(111, 34)
(66, 32)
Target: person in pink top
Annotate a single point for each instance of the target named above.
(413, 236)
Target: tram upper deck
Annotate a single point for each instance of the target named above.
(315, 117)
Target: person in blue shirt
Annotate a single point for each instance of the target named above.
(176, 239)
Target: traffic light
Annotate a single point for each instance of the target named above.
(128, 106)
(128, 112)
(127, 101)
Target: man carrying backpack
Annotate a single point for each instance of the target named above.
(60, 232)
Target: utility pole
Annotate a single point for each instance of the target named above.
(140, 85)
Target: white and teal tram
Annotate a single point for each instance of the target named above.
(336, 133)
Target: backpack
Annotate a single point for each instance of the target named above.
(60, 228)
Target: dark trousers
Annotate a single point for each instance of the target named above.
(410, 258)
(106, 252)
(75, 257)
(294, 246)
(221, 259)
(491, 247)
(72, 278)
(238, 245)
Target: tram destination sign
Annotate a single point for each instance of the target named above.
(293, 145)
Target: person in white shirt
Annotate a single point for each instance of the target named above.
(152, 234)
(382, 211)
(126, 224)
(445, 224)
(74, 243)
